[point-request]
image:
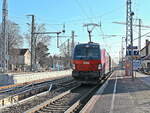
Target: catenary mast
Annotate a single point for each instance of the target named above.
(4, 38)
(129, 35)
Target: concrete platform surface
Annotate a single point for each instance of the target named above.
(143, 77)
(10, 79)
(121, 95)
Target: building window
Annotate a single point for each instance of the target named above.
(148, 65)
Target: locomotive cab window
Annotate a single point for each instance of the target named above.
(87, 52)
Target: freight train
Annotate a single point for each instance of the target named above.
(90, 63)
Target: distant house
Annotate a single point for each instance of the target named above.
(19, 59)
(145, 56)
(145, 51)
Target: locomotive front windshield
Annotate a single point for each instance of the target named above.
(87, 52)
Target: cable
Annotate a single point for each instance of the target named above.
(142, 35)
(90, 10)
(106, 45)
(96, 17)
(82, 9)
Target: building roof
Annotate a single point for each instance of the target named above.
(146, 57)
(143, 48)
(18, 51)
(147, 44)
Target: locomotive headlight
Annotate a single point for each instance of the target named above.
(73, 66)
(100, 66)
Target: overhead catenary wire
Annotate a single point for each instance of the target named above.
(86, 17)
(98, 16)
(142, 35)
(107, 46)
(76, 20)
(90, 10)
(82, 9)
(92, 16)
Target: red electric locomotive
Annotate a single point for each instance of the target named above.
(90, 63)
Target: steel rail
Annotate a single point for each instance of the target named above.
(77, 104)
(42, 105)
(48, 105)
(28, 92)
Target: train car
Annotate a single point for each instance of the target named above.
(106, 62)
(90, 64)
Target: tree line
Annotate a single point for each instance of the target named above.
(43, 57)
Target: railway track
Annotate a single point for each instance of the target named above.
(68, 96)
(35, 90)
(62, 102)
(37, 99)
(68, 102)
(17, 89)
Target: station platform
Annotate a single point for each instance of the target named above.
(23, 78)
(120, 94)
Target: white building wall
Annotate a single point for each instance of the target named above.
(27, 58)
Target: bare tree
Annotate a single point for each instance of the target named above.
(63, 48)
(39, 37)
(66, 49)
(66, 53)
(15, 39)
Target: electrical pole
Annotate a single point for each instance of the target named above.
(57, 33)
(73, 35)
(33, 43)
(90, 30)
(139, 34)
(68, 47)
(4, 39)
(122, 50)
(58, 39)
(129, 36)
(128, 24)
(132, 53)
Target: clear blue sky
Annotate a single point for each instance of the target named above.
(75, 13)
